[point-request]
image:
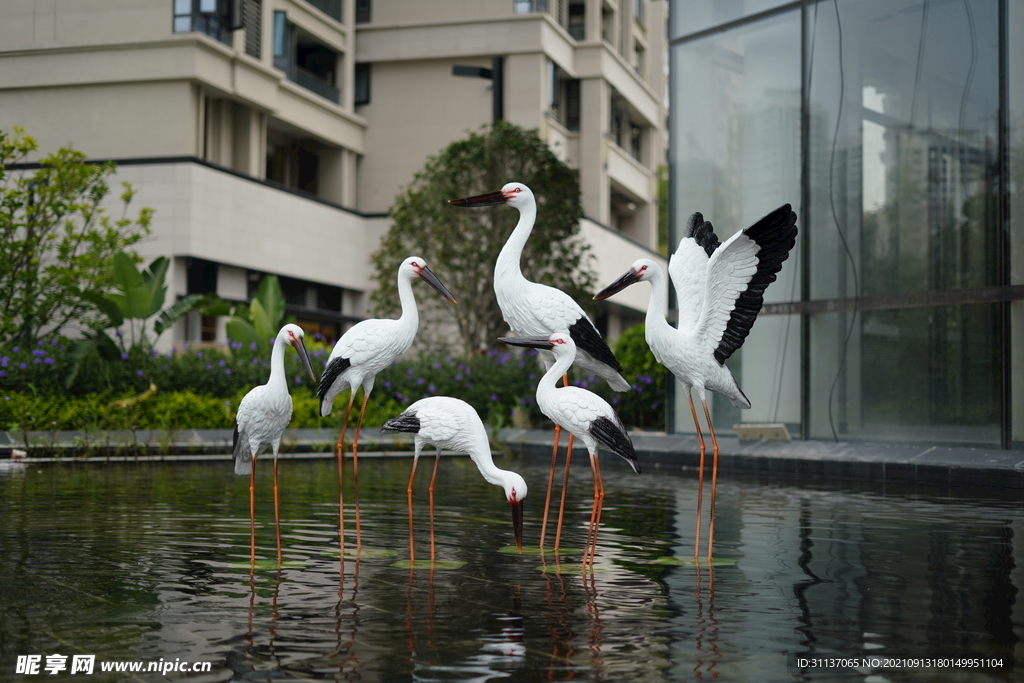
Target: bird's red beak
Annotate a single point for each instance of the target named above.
(517, 523)
(489, 199)
(628, 278)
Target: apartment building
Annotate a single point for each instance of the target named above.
(271, 135)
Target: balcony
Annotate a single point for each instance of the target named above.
(331, 8)
(312, 82)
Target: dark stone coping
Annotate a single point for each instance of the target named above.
(886, 463)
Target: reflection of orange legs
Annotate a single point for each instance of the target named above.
(700, 477)
(565, 486)
(595, 512)
(355, 470)
(433, 477)
(551, 480)
(714, 479)
(341, 478)
(252, 517)
(277, 514)
(408, 495)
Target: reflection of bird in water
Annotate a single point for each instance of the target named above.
(262, 417)
(720, 289)
(584, 414)
(452, 424)
(707, 626)
(366, 349)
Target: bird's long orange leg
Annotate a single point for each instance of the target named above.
(595, 512)
(433, 477)
(341, 478)
(252, 517)
(565, 485)
(700, 477)
(714, 479)
(355, 471)
(277, 515)
(408, 494)
(551, 480)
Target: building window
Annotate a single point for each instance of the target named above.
(212, 17)
(364, 10)
(362, 83)
(304, 60)
(293, 162)
(529, 6)
(576, 24)
(565, 98)
(638, 11)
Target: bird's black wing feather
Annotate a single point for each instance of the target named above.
(406, 422)
(613, 435)
(775, 234)
(702, 233)
(331, 373)
(586, 337)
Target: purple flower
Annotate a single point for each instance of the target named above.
(36, 361)
(387, 385)
(4, 361)
(227, 371)
(154, 352)
(431, 388)
(254, 361)
(38, 352)
(253, 346)
(494, 397)
(419, 381)
(15, 349)
(222, 363)
(139, 373)
(298, 380)
(124, 356)
(48, 361)
(164, 366)
(40, 342)
(437, 366)
(209, 366)
(23, 366)
(2, 373)
(199, 354)
(458, 377)
(117, 333)
(53, 342)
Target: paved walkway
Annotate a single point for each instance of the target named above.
(886, 463)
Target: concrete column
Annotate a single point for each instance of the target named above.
(332, 175)
(594, 113)
(525, 103)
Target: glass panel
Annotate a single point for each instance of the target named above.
(735, 156)
(910, 202)
(690, 16)
(182, 24)
(183, 6)
(208, 6)
(921, 374)
(1015, 92)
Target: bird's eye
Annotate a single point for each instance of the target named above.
(518, 189)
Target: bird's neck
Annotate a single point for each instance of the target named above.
(563, 361)
(656, 307)
(508, 264)
(410, 314)
(480, 452)
(277, 363)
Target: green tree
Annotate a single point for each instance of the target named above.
(461, 246)
(258, 322)
(56, 240)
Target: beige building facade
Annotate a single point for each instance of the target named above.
(271, 135)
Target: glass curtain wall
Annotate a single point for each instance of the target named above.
(903, 132)
(880, 121)
(735, 156)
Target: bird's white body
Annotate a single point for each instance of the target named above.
(533, 309)
(371, 345)
(687, 352)
(264, 413)
(452, 424)
(575, 409)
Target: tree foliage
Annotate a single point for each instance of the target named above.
(56, 240)
(461, 245)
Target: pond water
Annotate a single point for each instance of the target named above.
(149, 561)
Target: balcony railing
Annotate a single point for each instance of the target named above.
(310, 81)
(331, 8)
